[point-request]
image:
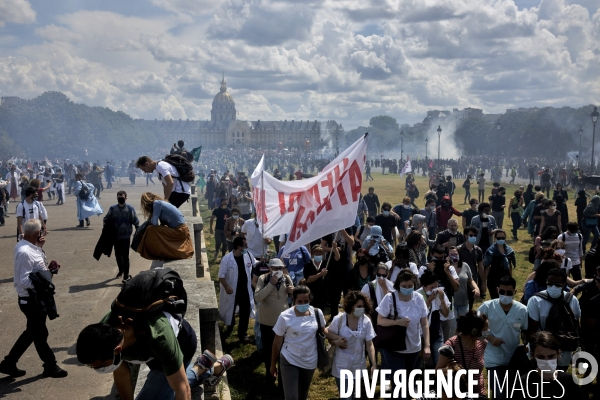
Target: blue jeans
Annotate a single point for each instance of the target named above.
(435, 347)
(516, 221)
(157, 387)
(400, 361)
(586, 230)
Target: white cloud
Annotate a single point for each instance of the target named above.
(325, 59)
(16, 11)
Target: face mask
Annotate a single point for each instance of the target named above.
(371, 226)
(432, 208)
(382, 278)
(445, 204)
(407, 206)
(454, 258)
(302, 307)
(318, 258)
(359, 312)
(386, 213)
(121, 200)
(407, 292)
(278, 274)
(235, 216)
(472, 239)
(485, 333)
(484, 215)
(362, 260)
(224, 206)
(560, 252)
(506, 299)
(428, 292)
(244, 251)
(500, 241)
(111, 368)
(554, 292)
(546, 365)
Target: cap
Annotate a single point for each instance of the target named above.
(276, 262)
(376, 230)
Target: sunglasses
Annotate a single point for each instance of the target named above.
(381, 276)
(506, 292)
(501, 238)
(559, 285)
(471, 235)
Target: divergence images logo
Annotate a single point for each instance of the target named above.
(583, 364)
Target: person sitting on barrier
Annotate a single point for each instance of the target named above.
(166, 346)
(168, 241)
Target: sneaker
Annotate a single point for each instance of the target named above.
(55, 372)
(227, 362)
(206, 360)
(11, 369)
(125, 279)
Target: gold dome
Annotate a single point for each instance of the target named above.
(223, 97)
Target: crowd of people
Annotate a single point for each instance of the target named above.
(405, 287)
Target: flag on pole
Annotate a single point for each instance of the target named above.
(196, 153)
(407, 168)
(311, 208)
(48, 162)
(431, 164)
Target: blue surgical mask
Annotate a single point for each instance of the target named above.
(302, 307)
(318, 258)
(386, 213)
(407, 292)
(500, 241)
(506, 299)
(235, 216)
(554, 292)
(472, 239)
(244, 251)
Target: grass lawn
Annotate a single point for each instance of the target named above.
(247, 379)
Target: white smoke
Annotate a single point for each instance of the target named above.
(447, 140)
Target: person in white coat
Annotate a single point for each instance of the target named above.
(235, 276)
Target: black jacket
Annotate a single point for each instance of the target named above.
(106, 241)
(43, 292)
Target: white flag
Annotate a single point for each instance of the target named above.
(309, 209)
(407, 168)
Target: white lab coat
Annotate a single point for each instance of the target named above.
(229, 270)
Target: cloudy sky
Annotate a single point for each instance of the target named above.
(346, 60)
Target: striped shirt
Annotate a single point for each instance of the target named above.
(473, 358)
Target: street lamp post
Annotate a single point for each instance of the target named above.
(498, 126)
(426, 147)
(439, 131)
(594, 120)
(579, 155)
(401, 144)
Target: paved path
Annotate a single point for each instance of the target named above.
(85, 290)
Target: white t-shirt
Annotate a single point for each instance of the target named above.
(299, 337)
(412, 267)
(256, 244)
(573, 247)
(163, 168)
(538, 309)
(378, 291)
(353, 356)
(452, 271)
(29, 258)
(414, 310)
(437, 305)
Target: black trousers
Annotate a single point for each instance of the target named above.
(97, 190)
(35, 332)
(243, 302)
(122, 255)
(267, 336)
(178, 199)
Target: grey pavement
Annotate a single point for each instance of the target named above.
(85, 289)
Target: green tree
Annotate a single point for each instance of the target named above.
(384, 123)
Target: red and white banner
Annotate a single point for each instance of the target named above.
(309, 209)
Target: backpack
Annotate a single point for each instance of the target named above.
(561, 321)
(381, 256)
(84, 193)
(183, 166)
(564, 235)
(155, 290)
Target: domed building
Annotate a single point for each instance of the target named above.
(223, 106)
(224, 130)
